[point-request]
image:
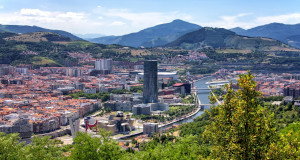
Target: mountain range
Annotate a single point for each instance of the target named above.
(151, 37)
(187, 35)
(29, 29)
(223, 38)
(289, 34)
(164, 34)
(90, 36)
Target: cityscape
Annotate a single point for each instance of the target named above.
(178, 88)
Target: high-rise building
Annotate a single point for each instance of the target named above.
(150, 128)
(104, 65)
(6, 69)
(150, 90)
(73, 72)
(293, 91)
(21, 70)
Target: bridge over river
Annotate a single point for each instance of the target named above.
(203, 92)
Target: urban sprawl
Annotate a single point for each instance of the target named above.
(40, 101)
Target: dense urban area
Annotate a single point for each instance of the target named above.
(209, 93)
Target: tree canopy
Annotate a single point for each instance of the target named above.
(242, 128)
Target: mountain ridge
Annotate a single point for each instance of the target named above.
(223, 38)
(29, 29)
(153, 36)
(278, 31)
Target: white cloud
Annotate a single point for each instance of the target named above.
(123, 21)
(102, 20)
(136, 21)
(117, 23)
(145, 19)
(34, 12)
(230, 21)
(234, 18)
(248, 20)
(75, 22)
(286, 18)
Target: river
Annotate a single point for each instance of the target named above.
(203, 97)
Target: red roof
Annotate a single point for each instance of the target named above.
(178, 84)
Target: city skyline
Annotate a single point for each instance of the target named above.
(117, 17)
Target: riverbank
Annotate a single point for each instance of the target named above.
(215, 96)
(162, 125)
(202, 78)
(169, 123)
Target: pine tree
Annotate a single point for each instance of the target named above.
(242, 129)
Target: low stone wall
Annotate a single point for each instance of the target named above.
(57, 133)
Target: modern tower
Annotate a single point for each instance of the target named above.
(104, 65)
(150, 90)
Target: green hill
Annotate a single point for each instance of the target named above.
(278, 31)
(39, 37)
(43, 49)
(222, 38)
(29, 29)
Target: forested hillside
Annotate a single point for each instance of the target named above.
(49, 48)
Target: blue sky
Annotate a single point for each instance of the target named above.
(117, 17)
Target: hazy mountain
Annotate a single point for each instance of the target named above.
(151, 37)
(237, 30)
(277, 31)
(90, 36)
(28, 29)
(222, 38)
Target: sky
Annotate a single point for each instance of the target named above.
(118, 17)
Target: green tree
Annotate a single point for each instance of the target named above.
(10, 147)
(288, 145)
(87, 147)
(185, 148)
(242, 129)
(135, 89)
(42, 147)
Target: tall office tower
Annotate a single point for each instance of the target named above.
(73, 72)
(104, 65)
(97, 64)
(150, 90)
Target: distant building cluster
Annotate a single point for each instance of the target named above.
(292, 90)
(29, 53)
(192, 56)
(37, 100)
(271, 84)
(278, 85)
(82, 57)
(118, 123)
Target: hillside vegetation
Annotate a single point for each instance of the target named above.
(283, 32)
(39, 37)
(29, 29)
(43, 48)
(222, 38)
